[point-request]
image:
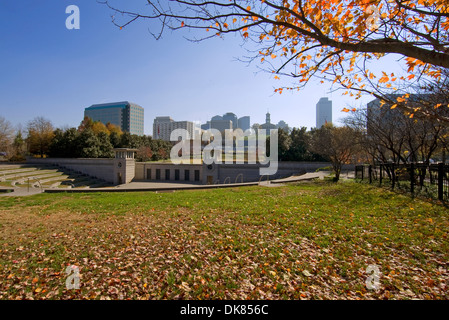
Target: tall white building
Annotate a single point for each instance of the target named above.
(163, 127)
(323, 112)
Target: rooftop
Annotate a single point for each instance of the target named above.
(121, 104)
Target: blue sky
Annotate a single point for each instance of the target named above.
(50, 71)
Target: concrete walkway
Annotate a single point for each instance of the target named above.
(19, 192)
(308, 176)
(168, 187)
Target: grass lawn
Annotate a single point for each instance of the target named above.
(305, 241)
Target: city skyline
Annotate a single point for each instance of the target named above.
(54, 72)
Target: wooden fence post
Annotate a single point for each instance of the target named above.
(393, 176)
(440, 180)
(380, 174)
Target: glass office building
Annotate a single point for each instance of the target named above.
(126, 115)
(323, 112)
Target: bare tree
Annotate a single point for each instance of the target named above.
(334, 143)
(6, 134)
(390, 136)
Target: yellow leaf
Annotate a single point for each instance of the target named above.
(38, 290)
(394, 106)
(306, 273)
(273, 56)
(234, 20)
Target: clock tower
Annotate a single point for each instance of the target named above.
(124, 165)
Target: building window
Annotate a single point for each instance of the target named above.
(197, 175)
(186, 175)
(167, 174)
(148, 174)
(177, 174)
(158, 174)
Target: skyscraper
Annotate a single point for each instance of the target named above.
(222, 122)
(163, 127)
(244, 123)
(323, 112)
(126, 115)
(283, 125)
(221, 125)
(232, 117)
